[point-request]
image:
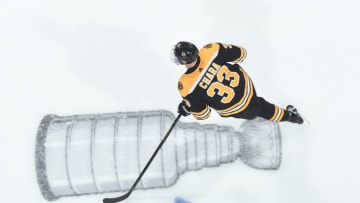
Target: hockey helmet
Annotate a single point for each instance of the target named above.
(185, 52)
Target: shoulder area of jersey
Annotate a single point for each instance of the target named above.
(211, 45)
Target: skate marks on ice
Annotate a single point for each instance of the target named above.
(103, 153)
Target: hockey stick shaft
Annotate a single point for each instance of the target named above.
(127, 194)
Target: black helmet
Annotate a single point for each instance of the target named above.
(185, 51)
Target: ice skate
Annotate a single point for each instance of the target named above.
(294, 116)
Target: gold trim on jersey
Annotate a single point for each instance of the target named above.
(204, 114)
(278, 114)
(213, 56)
(243, 54)
(244, 101)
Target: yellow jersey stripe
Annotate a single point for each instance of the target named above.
(275, 113)
(278, 114)
(243, 54)
(204, 114)
(203, 118)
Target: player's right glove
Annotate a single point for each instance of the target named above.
(183, 109)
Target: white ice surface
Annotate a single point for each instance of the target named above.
(78, 57)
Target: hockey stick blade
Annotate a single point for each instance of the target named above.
(117, 199)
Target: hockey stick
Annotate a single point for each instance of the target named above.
(126, 195)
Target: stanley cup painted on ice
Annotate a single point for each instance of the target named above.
(100, 153)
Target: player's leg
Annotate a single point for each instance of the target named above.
(273, 112)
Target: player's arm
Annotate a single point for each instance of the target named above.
(191, 104)
(231, 53)
(199, 109)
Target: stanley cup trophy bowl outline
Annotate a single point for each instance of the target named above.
(102, 153)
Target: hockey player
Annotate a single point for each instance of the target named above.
(215, 80)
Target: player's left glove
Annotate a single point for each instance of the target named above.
(183, 109)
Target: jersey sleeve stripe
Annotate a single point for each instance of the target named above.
(278, 114)
(243, 54)
(203, 114)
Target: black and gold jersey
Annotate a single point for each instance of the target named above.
(217, 82)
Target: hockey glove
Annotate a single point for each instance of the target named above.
(183, 109)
